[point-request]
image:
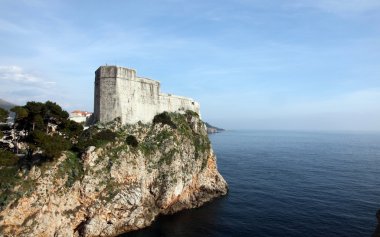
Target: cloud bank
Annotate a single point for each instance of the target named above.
(21, 86)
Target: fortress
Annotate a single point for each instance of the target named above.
(119, 92)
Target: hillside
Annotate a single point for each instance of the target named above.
(6, 105)
(213, 129)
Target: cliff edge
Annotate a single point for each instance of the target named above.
(117, 186)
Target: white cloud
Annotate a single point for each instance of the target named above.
(19, 86)
(16, 74)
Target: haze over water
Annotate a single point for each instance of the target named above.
(287, 184)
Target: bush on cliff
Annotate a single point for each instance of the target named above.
(192, 113)
(105, 135)
(7, 158)
(8, 175)
(164, 118)
(3, 115)
(132, 141)
(51, 146)
(72, 167)
(93, 137)
(71, 128)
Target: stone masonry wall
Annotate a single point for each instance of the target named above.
(174, 103)
(120, 93)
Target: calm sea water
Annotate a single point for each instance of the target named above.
(287, 184)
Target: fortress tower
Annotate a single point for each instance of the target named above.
(119, 92)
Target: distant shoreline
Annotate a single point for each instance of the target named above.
(212, 129)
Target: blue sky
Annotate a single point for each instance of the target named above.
(274, 64)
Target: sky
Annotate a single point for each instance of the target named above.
(273, 64)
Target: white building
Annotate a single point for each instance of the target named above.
(80, 116)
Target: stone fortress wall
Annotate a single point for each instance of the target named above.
(119, 92)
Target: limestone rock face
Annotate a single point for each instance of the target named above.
(121, 187)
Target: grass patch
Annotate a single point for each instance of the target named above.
(94, 137)
(192, 113)
(163, 135)
(9, 177)
(110, 191)
(73, 167)
(147, 147)
(168, 157)
(7, 158)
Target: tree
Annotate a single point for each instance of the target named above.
(54, 111)
(3, 115)
(71, 128)
(21, 113)
(7, 158)
(36, 113)
(52, 146)
(37, 118)
(37, 122)
(35, 107)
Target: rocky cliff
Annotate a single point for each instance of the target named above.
(118, 186)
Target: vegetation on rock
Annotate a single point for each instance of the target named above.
(128, 174)
(164, 118)
(132, 141)
(8, 175)
(41, 132)
(3, 115)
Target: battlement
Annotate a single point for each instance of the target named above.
(119, 92)
(115, 72)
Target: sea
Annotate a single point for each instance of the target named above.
(287, 183)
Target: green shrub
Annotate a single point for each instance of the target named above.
(192, 113)
(8, 179)
(147, 147)
(164, 118)
(91, 137)
(52, 146)
(73, 167)
(7, 158)
(168, 157)
(71, 128)
(163, 135)
(132, 141)
(105, 135)
(8, 175)
(3, 115)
